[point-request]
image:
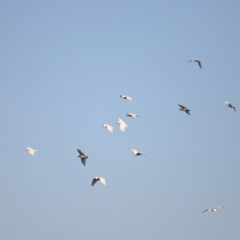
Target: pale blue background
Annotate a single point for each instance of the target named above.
(63, 66)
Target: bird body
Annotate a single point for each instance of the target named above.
(30, 150)
(108, 127)
(182, 108)
(230, 105)
(212, 209)
(136, 152)
(198, 62)
(126, 97)
(102, 180)
(132, 115)
(82, 156)
(122, 124)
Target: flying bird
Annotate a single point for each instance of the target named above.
(196, 60)
(82, 156)
(136, 153)
(122, 124)
(132, 115)
(182, 108)
(230, 105)
(30, 150)
(102, 180)
(126, 97)
(108, 127)
(212, 209)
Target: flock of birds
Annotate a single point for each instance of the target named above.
(123, 126)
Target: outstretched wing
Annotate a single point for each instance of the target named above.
(181, 106)
(199, 63)
(80, 152)
(94, 181)
(122, 127)
(209, 209)
(83, 161)
(110, 128)
(133, 150)
(103, 181)
(188, 111)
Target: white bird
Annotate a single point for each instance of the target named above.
(135, 152)
(230, 105)
(102, 180)
(122, 124)
(108, 127)
(196, 60)
(212, 209)
(132, 115)
(30, 150)
(182, 108)
(126, 97)
(82, 156)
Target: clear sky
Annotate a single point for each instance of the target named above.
(63, 66)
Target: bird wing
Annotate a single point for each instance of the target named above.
(209, 209)
(103, 180)
(80, 152)
(122, 127)
(128, 98)
(188, 111)
(120, 120)
(32, 152)
(234, 108)
(132, 115)
(134, 151)
(181, 106)
(94, 181)
(83, 161)
(109, 128)
(199, 63)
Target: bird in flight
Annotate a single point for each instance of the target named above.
(30, 150)
(132, 115)
(108, 127)
(126, 97)
(230, 105)
(212, 209)
(136, 153)
(122, 124)
(196, 60)
(82, 156)
(182, 108)
(102, 180)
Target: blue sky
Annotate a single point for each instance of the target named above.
(64, 65)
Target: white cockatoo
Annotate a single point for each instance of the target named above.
(31, 150)
(108, 127)
(122, 124)
(126, 97)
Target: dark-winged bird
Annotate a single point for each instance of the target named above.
(230, 105)
(196, 60)
(182, 108)
(82, 156)
(212, 209)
